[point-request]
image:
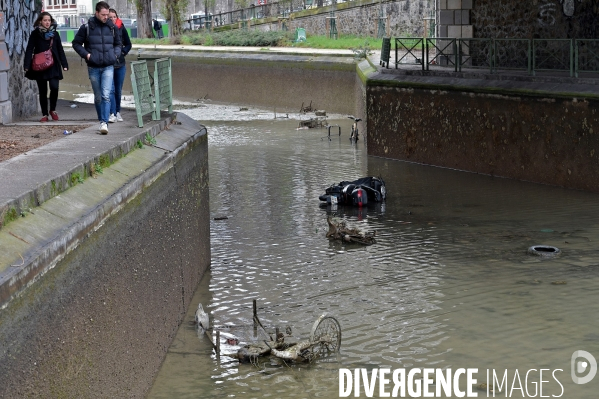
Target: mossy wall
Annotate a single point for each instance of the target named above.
(548, 140)
(100, 322)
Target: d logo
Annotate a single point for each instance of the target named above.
(579, 366)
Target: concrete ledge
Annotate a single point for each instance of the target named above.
(33, 244)
(486, 83)
(30, 179)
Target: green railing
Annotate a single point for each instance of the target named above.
(512, 54)
(410, 46)
(163, 85)
(446, 52)
(572, 56)
(142, 91)
(141, 81)
(586, 56)
(553, 55)
(475, 53)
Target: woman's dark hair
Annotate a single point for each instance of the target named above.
(114, 11)
(38, 21)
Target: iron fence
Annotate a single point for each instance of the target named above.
(586, 56)
(572, 56)
(444, 52)
(512, 54)
(553, 55)
(409, 47)
(475, 53)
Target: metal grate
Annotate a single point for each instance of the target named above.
(142, 90)
(163, 85)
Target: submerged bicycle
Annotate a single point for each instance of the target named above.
(354, 129)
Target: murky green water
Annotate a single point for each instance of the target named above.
(448, 284)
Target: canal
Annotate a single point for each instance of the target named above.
(448, 284)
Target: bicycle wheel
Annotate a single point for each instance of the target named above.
(327, 331)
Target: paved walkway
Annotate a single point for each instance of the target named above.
(30, 179)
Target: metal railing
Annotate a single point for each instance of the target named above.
(586, 56)
(147, 102)
(571, 56)
(281, 9)
(163, 85)
(553, 55)
(445, 49)
(409, 46)
(142, 91)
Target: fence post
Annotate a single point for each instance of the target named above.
(576, 58)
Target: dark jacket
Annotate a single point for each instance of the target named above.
(157, 25)
(125, 46)
(38, 44)
(103, 43)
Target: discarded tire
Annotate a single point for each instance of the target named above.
(544, 251)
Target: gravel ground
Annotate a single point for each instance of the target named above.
(16, 140)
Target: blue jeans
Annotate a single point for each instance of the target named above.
(117, 89)
(101, 80)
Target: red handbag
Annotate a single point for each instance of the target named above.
(44, 60)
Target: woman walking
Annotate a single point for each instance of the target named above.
(42, 38)
(120, 68)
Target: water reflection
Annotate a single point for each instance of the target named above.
(448, 283)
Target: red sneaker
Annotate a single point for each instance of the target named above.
(44, 119)
(54, 115)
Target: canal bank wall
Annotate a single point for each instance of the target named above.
(535, 128)
(95, 281)
(273, 80)
(538, 129)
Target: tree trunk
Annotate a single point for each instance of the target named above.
(144, 19)
(175, 18)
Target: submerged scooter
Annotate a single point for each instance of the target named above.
(358, 192)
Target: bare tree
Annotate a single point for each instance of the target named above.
(144, 18)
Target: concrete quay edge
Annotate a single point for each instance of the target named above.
(553, 87)
(31, 179)
(32, 245)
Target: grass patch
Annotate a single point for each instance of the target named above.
(237, 37)
(257, 38)
(346, 42)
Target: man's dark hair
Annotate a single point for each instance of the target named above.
(102, 5)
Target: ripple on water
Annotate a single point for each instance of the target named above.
(448, 283)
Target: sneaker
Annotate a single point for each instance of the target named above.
(44, 119)
(112, 118)
(103, 128)
(119, 118)
(54, 115)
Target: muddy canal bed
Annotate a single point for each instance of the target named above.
(448, 283)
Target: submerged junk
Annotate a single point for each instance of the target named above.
(324, 340)
(313, 123)
(358, 192)
(338, 230)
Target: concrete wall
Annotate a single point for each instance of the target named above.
(19, 16)
(546, 139)
(402, 18)
(99, 323)
(267, 80)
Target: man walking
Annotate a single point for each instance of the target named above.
(98, 43)
(158, 28)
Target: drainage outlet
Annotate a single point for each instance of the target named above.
(544, 251)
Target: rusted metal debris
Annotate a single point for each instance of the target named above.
(307, 108)
(313, 123)
(338, 230)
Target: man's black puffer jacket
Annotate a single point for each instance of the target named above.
(103, 43)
